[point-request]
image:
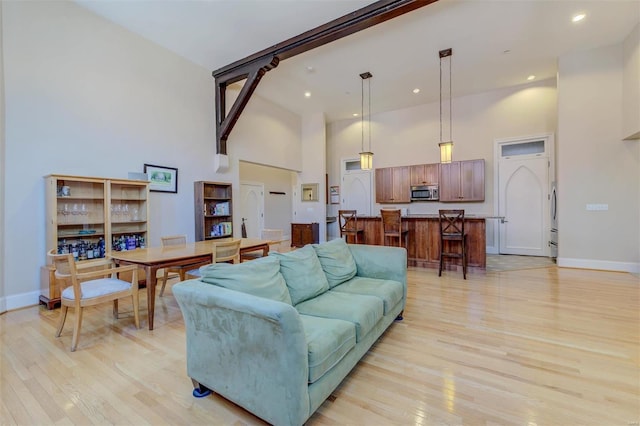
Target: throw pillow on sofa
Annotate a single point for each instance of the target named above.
(302, 273)
(260, 277)
(336, 260)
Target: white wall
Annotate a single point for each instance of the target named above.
(3, 304)
(87, 97)
(267, 134)
(631, 85)
(410, 136)
(595, 165)
(278, 208)
(313, 171)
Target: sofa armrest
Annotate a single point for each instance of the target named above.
(383, 262)
(248, 349)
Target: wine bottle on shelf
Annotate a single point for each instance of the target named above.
(101, 247)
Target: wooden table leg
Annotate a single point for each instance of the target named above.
(151, 293)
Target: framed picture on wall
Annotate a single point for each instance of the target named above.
(163, 179)
(334, 194)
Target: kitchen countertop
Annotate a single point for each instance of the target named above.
(431, 216)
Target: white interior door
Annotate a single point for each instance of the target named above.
(356, 191)
(252, 208)
(523, 202)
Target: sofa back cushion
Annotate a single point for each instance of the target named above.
(336, 260)
(303, 273)
(260, 277)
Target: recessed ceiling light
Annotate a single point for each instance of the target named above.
(416, 90)
(355, 114)
(310, 69)
(307, 94)
(531, 77)
(579, 17)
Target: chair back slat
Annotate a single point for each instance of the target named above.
(274, 236)
(225, 251)
(173, 240)
(451, 222)
(65, 272)
(348, 220)
(391, 221)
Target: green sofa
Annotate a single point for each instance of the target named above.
(278, 334)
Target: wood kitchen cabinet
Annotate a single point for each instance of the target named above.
(462, 181)
(304, 233)
(392, 185)
(424, 174)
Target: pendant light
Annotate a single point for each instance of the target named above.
(446, 147)
(366, 157)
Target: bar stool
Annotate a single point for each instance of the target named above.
(348, 221)
(392, 227)
(452, 232)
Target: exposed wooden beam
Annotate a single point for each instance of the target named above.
(252, 73)
(253, 67)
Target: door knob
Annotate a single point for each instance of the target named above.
(503, 220)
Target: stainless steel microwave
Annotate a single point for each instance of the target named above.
(425, 193)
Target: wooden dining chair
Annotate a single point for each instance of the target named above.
(81, 289)
(348, 222)
(452, 234)
(175, 241)
(223, 251)
(393, 228)
(275, 238)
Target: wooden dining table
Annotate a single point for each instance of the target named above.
(154, 258)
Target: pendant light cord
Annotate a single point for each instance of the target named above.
(450, 110)
(450, 100)
(441, 99)
(362, 116)
(369, 113)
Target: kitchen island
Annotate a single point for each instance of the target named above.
(424, 240)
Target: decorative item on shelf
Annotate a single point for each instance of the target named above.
(162, 179)
(64, 191)
(446, 147)
(366, 157)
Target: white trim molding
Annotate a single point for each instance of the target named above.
(19, 301)
(605, 265)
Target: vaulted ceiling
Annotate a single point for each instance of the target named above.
(495, 44)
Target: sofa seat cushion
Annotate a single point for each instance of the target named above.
(362, 310)
(389, 291)
(260, 277)
(303, 273)
(336, 260)
(328, 341)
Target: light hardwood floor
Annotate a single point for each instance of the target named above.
(547, 346)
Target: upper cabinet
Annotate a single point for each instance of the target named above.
(462, 181)
(424, 174)
(392, 185)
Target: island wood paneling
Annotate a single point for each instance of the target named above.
(424, 241)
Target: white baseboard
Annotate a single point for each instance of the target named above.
(606, 265)
(3, 305)
(19, 301)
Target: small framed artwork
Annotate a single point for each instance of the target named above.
(334, 194)
(163, 179)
